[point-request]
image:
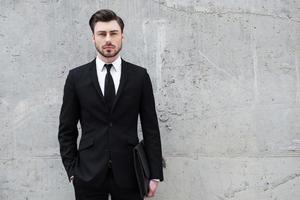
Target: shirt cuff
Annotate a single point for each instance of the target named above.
(156, 180)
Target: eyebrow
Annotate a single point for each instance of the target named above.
(108, 31)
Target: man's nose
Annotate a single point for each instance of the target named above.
(107, 38)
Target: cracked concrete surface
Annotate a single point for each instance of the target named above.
(283, 181)
(230, 7)
(226, 80)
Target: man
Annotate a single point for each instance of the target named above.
(106, 96)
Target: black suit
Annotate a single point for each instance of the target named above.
(108, 134)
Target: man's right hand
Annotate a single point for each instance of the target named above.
(71, 178)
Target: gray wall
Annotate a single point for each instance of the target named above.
(226, 78)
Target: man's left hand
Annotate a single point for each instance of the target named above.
(153, 185)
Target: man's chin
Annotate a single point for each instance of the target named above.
(109, 55)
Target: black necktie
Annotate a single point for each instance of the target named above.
(109, 90)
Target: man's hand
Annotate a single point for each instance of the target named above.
(71, 179)
(152, 188)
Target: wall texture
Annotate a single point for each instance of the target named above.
(226, 76)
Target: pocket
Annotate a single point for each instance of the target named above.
(86, 143)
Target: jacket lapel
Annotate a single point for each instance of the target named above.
(94, 77)
(123, 80)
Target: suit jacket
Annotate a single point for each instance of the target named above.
(108, 134)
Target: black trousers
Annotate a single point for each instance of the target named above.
(96, 191)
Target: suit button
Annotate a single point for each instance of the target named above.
(109, 164)
(110, 124)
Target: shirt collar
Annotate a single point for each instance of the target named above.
(116, 64)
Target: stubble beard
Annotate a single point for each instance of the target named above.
(108, 55)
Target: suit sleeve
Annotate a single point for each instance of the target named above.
(68, 132)
(150, 129)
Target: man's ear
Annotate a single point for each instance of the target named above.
(93, 37)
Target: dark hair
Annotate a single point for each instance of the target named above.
(105, 15)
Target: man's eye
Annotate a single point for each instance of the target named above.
(102, 34)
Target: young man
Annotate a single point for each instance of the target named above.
(106, 96)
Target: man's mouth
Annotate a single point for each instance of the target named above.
(108, 47)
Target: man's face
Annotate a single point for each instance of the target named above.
(108, 38)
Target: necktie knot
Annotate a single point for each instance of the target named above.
(108, 67)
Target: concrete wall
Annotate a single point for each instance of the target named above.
(226, 76)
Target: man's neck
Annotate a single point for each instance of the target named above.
(107, 60)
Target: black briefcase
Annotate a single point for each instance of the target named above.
(141, 167)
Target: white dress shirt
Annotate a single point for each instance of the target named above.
(115, 72)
